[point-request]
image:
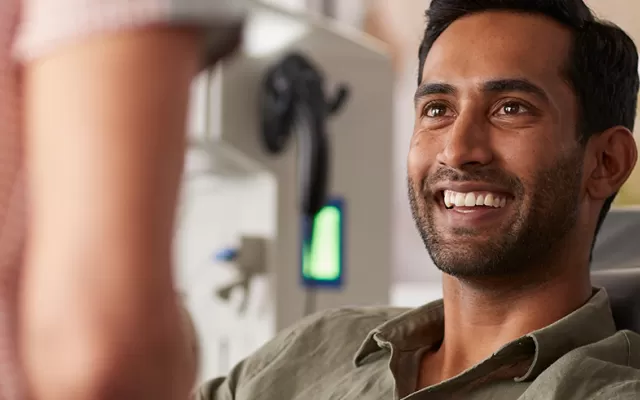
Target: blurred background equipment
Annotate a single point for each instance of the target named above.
(293, 101)
(239, 195)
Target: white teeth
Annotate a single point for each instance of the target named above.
(473, 199)
(470, 200)
(488, 201)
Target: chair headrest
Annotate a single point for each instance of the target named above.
(617, 241)
(616, 265)
(623, 287)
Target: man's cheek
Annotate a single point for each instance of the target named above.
(417, 162)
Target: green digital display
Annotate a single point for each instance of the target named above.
(322, 257)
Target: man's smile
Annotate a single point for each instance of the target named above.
(472, 204)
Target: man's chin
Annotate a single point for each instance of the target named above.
(450, 230)
(476, 257)
(467, 271)
(471, 240)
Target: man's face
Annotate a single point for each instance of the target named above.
(494, 167)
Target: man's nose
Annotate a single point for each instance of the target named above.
(468, 142)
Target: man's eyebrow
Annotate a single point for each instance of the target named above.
(493, 86)
(515, 85)
(427, 89)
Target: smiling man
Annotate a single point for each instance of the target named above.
(524, 111)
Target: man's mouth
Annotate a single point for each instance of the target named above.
(472, 200)
(472, 204)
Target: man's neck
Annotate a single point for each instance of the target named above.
(479, 319)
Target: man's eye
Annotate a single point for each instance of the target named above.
(435, 110)
(512, 108)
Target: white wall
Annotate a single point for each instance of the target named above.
(415, 294)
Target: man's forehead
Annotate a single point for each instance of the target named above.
(499, 44)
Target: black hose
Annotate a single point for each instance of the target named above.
(293, 100)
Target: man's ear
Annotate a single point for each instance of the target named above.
(612, 156)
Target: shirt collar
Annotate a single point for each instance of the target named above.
(413, 329)
(589, 324)
(424, 327)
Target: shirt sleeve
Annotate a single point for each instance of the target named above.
(47, 24)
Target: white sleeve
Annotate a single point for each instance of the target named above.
(45, 25)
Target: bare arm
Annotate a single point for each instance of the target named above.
(105, 123)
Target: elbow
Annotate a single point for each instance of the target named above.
(85, 372)
(135, 367)
(75, 369)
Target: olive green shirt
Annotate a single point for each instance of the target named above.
(375, 353)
